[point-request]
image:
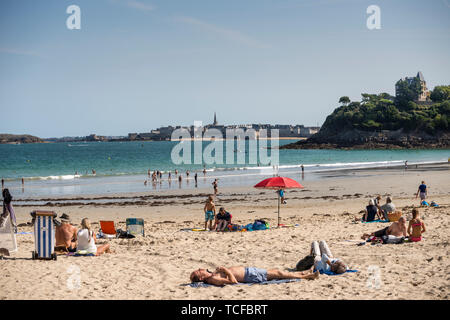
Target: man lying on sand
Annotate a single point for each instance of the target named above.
(397, 229)
(232, 275)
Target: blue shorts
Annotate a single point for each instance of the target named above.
(209, 215)
(255, 275)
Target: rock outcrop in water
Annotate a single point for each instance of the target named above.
(19, 138)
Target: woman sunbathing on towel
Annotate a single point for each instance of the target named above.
(232, 275)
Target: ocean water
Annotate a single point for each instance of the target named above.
(65, 169)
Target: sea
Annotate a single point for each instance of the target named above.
(58, 170)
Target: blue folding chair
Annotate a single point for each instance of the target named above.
(135, 226)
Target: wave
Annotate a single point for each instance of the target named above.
(251, 170)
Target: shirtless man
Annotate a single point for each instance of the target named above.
(397, 229)
(210, 212)
(232, 275)
(66, 234)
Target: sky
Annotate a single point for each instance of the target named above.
(135, 65)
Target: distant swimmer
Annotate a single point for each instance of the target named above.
(23, 181)
(195, 177)
(3, 184)
(93, 171)
(406, 164)
(176, 172)
(170, 176)
(187, 173)
(204, 171)
(303, 168)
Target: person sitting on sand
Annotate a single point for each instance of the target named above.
(416, 226)
(387, 208)
(323, 258)
(422, 191)
(86, 240)
(371, 211)
(223, 219)
(210, 212)
(233, 275)
(397, 229)
(66, 235)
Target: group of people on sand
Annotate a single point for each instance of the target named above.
(398, 229)
(221, 219)
(323, 262)
(70, 239)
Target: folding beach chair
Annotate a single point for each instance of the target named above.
(44, 235)
(135, 226)
(108, 229)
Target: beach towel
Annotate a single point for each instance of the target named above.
(384, 221)
(205, 285)
(331, 273)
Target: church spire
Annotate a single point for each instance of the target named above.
(215, 119)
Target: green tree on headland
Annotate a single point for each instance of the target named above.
(344, 100)
(376, 112)
(440, 93)
(407, 91)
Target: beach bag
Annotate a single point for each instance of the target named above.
(434, 204)
(305, 263)
(259, 225)
(124, 235)
(392, 239)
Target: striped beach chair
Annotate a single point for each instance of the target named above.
(135, 226)
(44, 235)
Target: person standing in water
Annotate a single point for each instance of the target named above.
(215, 186)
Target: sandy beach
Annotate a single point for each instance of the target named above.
(158, 265)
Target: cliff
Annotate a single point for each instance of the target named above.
(18, 138)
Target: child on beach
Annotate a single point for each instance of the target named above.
(416, 226)
(210, 212)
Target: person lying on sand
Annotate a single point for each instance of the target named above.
(232, 275)
(323, 258)
(416, 226)
(397, 229)
(65, 235)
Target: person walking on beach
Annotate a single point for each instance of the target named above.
(422, 191)
(303, 169)
(195, 178)
(406, 164)
(416, 226)
(232, 275)
(215, 186)
(210, 212)
(204, 171)
(8, 210)
(3, 184)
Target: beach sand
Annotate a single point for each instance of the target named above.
(158, 266)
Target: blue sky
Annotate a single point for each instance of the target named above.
(139, 64)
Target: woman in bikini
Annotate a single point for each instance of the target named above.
(416, 227)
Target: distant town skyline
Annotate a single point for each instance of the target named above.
(142, 64)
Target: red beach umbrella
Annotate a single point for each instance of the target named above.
(278, 183)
